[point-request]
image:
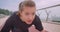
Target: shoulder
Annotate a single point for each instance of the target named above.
(37, 18)
(12, 17)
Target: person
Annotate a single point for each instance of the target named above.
(24, 20)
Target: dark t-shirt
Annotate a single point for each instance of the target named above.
(15, 24)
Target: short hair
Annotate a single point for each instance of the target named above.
(27, 4)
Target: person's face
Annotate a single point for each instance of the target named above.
(28, 14)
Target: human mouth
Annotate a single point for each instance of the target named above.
(29, 20)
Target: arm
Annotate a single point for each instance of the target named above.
(38, 24)
(7, 25)
(44, 31)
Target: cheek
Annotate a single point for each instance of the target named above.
(25, 17)
(33, 17)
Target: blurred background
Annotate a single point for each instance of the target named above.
(47, 10)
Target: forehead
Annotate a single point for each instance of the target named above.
(29, 9)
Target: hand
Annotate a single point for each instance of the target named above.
(44, 31)
(33, 29)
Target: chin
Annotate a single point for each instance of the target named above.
(29, 23)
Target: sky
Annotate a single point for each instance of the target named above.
(12, 5)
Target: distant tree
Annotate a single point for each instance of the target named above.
(39, 13)
(5, 12)
(47, 13)
(55, 18)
